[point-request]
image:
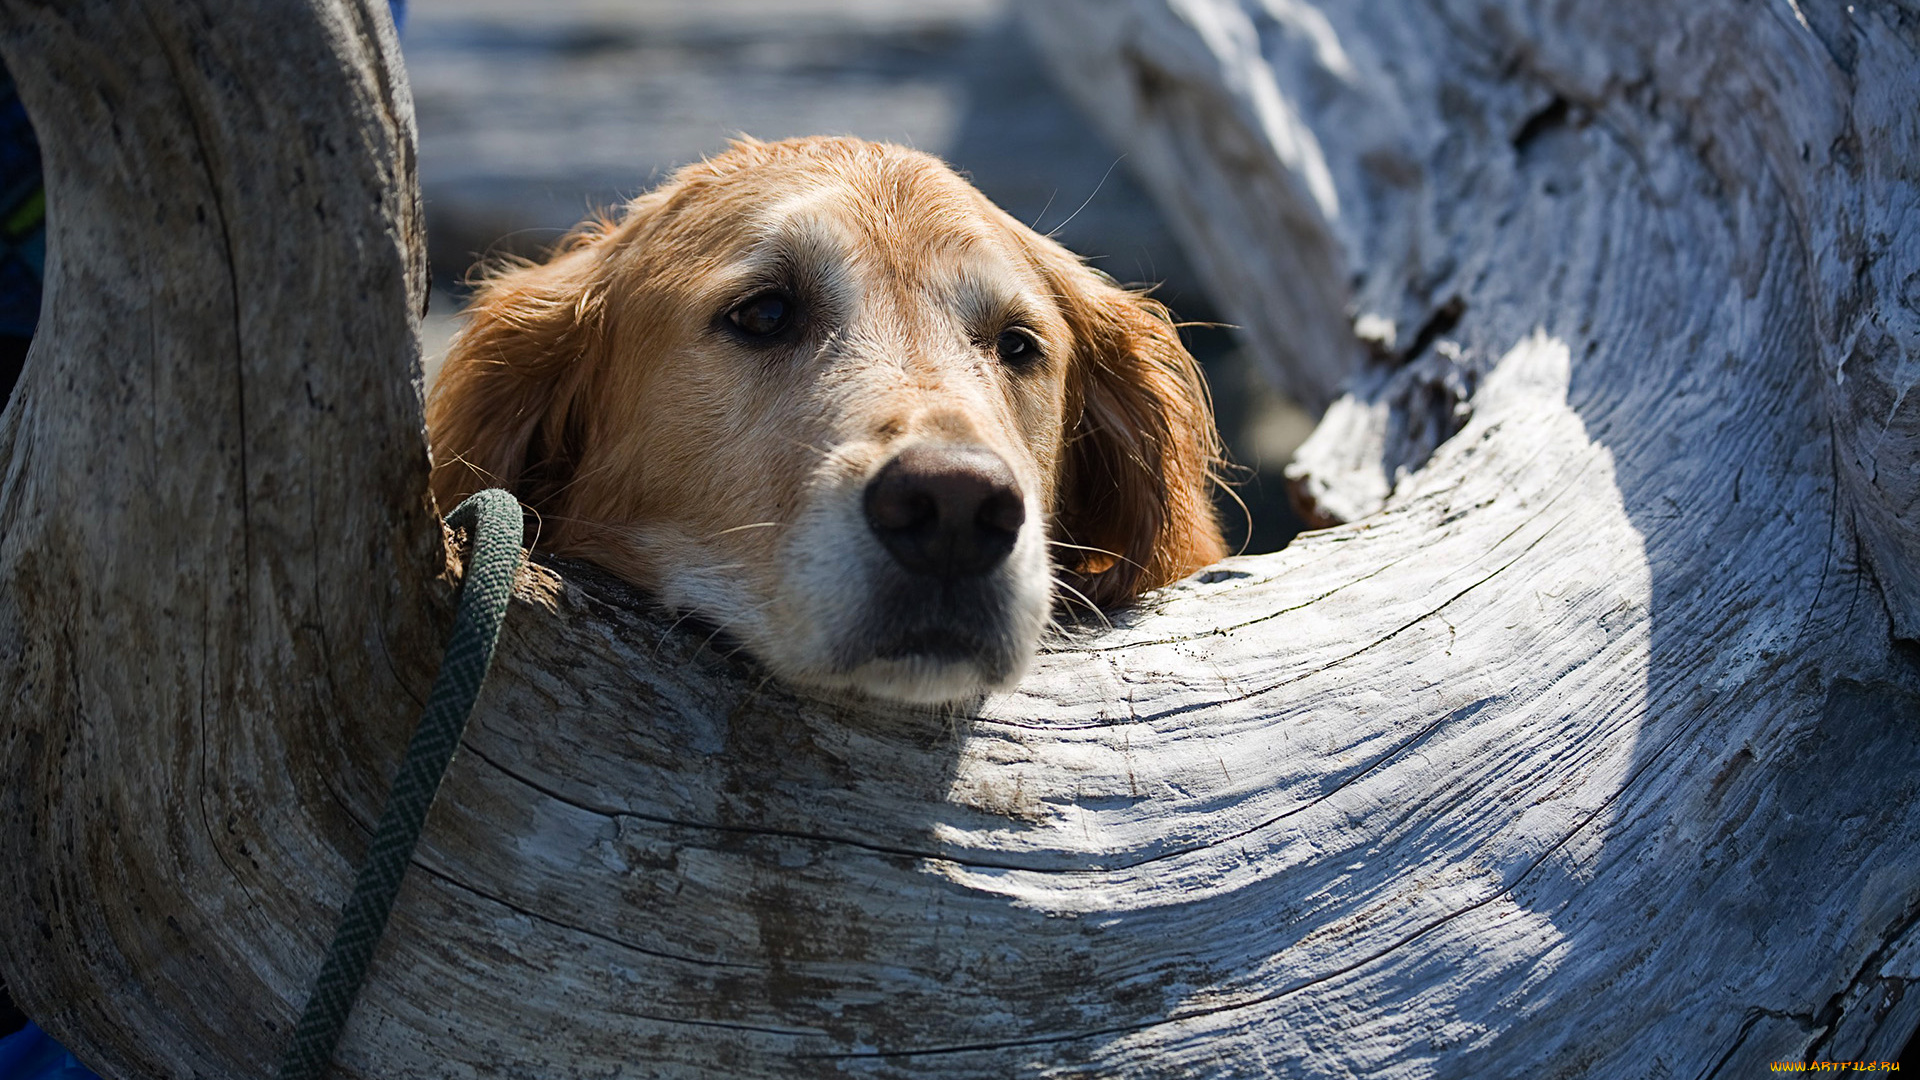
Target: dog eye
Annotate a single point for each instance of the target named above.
(1016, 347)
(765, 315)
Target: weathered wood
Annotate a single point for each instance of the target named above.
(1589, 751)
(1671, 253)
(221, 595)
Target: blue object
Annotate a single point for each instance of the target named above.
(30, 1054)
(23, 235)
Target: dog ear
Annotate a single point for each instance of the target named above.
(1142, 458)
(502, 412)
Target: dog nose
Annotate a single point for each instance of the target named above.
(946, 511)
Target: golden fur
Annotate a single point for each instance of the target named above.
(607, 388)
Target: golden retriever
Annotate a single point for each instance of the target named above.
(824, 395)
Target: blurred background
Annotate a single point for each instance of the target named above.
(531, 115)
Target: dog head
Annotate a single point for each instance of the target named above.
(825, 395)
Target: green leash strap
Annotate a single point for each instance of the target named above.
(493, 519)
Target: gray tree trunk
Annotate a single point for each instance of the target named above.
(1588, 747)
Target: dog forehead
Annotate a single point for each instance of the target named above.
(881, 229)
(809, 224)
(870, 216)
(942, 248)
(871, 195)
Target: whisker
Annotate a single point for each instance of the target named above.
(468, 462)
(667, 634)
(717, 631)
(1098, 551)
(1096, 191)
(742, 528)
(738, 648)
(591, 523)
(579, 476)
(1246, 513)
(727, 627)
(1083, 547)
(588, 525)
(539, 525)
(809, 446)
(721, 624)
(1035, 226)
(1084, 599)
(827, 345)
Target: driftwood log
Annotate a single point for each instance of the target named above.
(1588, 746)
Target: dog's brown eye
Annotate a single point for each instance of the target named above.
(765, 315)
(1016, 347)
